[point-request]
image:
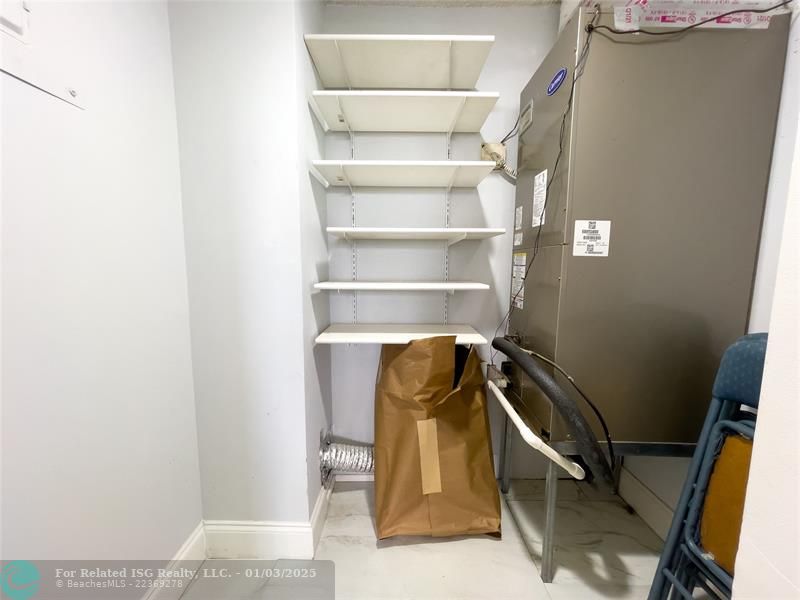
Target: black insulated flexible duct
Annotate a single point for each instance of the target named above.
(578, 426)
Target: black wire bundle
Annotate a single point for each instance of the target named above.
(590, 28)
(576, 75)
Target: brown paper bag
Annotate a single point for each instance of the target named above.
(434, 473)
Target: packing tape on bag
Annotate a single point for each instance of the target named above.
(429, 456)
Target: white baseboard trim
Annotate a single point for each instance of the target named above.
(647, 505)
(320, 511)
(268, 540)
(194, 548)
(189, 556)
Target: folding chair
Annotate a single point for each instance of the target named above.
(703, 538)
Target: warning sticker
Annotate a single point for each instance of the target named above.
(518, 218)
(518, 238)
(518, 279)
(539, 198)
(592, 238)
(674, 14)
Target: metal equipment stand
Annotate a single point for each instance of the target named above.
(548, 543)
(551, 482)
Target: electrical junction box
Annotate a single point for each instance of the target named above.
(32, 39)
(494, 151)
(15, 18)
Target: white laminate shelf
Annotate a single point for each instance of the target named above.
(394, 333)
(451, 235)
(401, 286)
(412, 62)
(401, 173)
(403, 111)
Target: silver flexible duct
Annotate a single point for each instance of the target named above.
(346, 458)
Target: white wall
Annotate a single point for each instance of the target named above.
(98, 421)
(768, 561)
(314, 250)
(253, 248)
(778, 192)
(567, 8)
(523, 37)
(238, 145)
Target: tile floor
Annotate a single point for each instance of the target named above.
(603, 551)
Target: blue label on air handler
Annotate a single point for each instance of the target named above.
(556, 82)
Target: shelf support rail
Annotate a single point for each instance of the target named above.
(447, 195)
(353, 247)
(446, 278)
(448, 242)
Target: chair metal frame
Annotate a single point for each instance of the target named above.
(684, 564)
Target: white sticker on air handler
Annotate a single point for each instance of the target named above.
(518, 279)
(591, 238)
(539, 198)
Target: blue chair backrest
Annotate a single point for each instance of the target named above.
(740, 371)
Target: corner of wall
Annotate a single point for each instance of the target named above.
(652, 510)
(190, 555)
(314, 251)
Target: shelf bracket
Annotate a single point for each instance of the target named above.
(349, 129)
(452, 179)
(318, 114)
(347, 181)
(450, 65)
(454, 122)
(342, 64)
(456, 238)
(318, 176)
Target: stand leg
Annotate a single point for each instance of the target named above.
(505, 457)
(548, 543)
(617, 466)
